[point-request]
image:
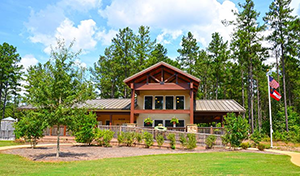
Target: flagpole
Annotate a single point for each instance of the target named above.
(270, 112)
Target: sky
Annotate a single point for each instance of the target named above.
(33, 25)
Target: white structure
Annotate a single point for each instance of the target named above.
(7, 129)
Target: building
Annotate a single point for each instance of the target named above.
(162, 92)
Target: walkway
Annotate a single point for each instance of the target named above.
(27, 146)
(295, 157)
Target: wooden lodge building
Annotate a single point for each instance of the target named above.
(162, 92)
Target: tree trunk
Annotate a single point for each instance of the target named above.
(251, 97)
(284, 90)
(243, 91)
(258, 109)
(57, 147)
(5, 99)
(217, 84)
(277, 69)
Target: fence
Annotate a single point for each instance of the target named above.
(200, 137)
(53, 131)
(7, 130)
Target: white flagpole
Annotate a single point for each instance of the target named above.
(270, 112)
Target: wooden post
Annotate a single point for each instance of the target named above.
(132, 103)
(65, 130)
(191, 104)
(110, 119)
(211, 130)
(50, 131)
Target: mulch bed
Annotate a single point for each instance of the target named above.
(77, 153)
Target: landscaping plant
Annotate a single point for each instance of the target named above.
(129, 138)
(121, 138)
(148, 121)
(182, 140)
(148, 139)
(107, 137)
(160, 140)
(191, 141)
(172, 139)
(99, 136)
(245, 145)
(210, 141)
(261, 147)
(139, 137)
(84, 128)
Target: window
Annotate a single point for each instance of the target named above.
(168, 123)
(169, 102)
(180, 124)
(107, 122)
(159, 102)
(156, 122)
(179, 102)
(148, 102)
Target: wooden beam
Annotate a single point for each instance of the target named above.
(191, 104)
(176, 78)
(147, 82)
(155, 79)
(158, 86)
(162, 75)
(132, 106)
(169, 78)
(161, 111)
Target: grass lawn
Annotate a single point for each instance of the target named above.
(8, 143)
(218, 163)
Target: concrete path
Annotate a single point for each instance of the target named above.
(27, 146)
(295, 157)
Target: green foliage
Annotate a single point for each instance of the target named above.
(148, 120)
(210, 141)
(245, 145)
(129, 138)
(191, 141)
(139, 137)
(84, 127)
(256, 136)
(172, 139)
(261, 147)
(30, 126)
(182, 140)
(236, 130)
(160, 140)
(121, 137)
(174, 120)
(103, 137)
(148, 139)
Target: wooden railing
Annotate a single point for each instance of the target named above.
(200, 137)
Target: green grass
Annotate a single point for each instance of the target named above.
(218, 163)
(8, 143)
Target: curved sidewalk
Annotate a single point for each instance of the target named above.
(295, 157)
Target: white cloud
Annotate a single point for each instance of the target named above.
(167, 36)
(80, 63)
(295, 4)
(200, 17)
(106, 37)
(28, 60)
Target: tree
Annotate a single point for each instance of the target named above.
(30, 126)
(56, 86)
(188, 52)
(219, 53)
(280, 20)
(236, 130)
(247, 45)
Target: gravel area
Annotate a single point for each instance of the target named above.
(77, 153)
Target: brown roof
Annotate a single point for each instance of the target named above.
(158, 65)
(218, 106)
(107, 104)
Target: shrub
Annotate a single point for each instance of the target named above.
(236, 130)
(129, 137)
(256, 136)
(267, 146)
(107, 137)
(182, 140)
(99, 136)
(160, 140)
(148, 139)
(245, 145)
(192, 142)
(210, 141)
(121, 137)
(172, 139)
(261, 147)
(139, 137)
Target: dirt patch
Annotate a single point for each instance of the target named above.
(76, 153)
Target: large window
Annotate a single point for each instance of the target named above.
(148, 102)
(159, 102)
(180, 124)
(168, 123)
(179, 102)
(156, 122)
(169, 102)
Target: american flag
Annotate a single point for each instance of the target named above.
(274, 84)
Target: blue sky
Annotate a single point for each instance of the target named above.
(33, 25)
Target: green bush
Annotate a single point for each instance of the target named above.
(182, 140)
(267, 146)
(172, 139)
(191, 141)
(160, 140)
(256, 136)
(99, 136)
(139, 137)
(245, 145)
(261, 147)
(148, 139)
(107, 137)
(129, 137)
(210, 141)
(121, 137)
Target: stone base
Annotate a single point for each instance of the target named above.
(191, 128)
(131, 124)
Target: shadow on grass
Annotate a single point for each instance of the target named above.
(61, 155)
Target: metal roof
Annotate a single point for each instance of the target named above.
(218, 106)
(107, 104)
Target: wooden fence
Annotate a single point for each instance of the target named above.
(200, 137)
